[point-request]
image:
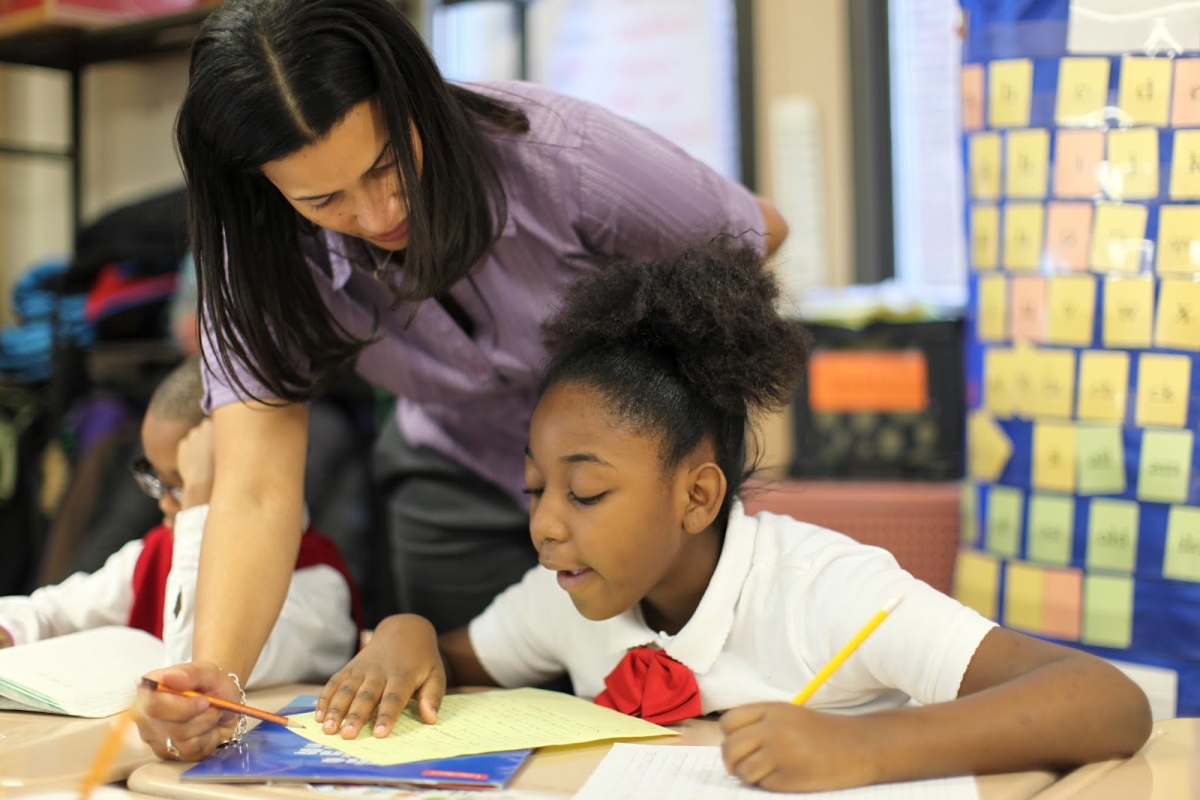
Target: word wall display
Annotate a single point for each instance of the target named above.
(1081, 512)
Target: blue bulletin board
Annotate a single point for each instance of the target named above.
(1082, 510)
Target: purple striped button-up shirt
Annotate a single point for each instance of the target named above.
(582, 186)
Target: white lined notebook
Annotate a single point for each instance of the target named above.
(650, 772)
(87, 674)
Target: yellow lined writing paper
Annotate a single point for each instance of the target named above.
(487, 722)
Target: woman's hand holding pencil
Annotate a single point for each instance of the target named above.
(186, 727)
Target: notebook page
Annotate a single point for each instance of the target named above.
(88, 674)
(650, 772)
(486, 722)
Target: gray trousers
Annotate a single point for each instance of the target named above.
(456, 540)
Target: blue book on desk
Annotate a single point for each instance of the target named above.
(272, 753)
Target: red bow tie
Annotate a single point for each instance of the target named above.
(650, 684)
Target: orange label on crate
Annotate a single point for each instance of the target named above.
(868, 381)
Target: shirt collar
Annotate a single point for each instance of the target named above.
(701, 640)
(340, 267)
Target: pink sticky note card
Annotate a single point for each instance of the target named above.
(1068, 235)
(1027, 307)
(1077, 157)
(1185, 110)
(1062, 599)
(972, 96)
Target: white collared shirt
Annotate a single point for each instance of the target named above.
(784, 598)
(314, 635)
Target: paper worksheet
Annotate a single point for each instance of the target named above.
(649, 772)
(487, 722)
(92, 673)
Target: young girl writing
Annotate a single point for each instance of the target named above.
(660, 597)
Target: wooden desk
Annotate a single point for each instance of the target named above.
(41, 750)
(1167, 768)
(553, 770)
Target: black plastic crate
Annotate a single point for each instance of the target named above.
(855, 440)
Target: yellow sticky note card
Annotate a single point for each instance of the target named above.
(1024, 226)
(1101, 453)
(1025, 383)
(1165, 466)
(1178, 240)
(1054, 383)
(968, 510)
(1128, 311)
(1185, 166)
(1119, 240)
(1132, 168)
(983, 158)
(1010, 91)
(1082, 91)
(985, 236)
(972, 97)
(989, 447)
(998, 388)
(486, 722)
(1054, 456)
(977, 581)
(1051, 528)
(1144, 92)
(1005, 511)
(1164, 383)
(1112, 535)
(1023, 597)
(1071, 306)
(1177, 325)
(1107, 610)
(1027, 162)
(1181, 557)
(1103, 385)
(1068, 235)
(992, 308)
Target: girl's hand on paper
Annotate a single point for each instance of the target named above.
(788, 748)
(401, 662)
(190, 725)
(5, 639)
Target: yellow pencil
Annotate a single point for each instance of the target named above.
(846, 651)
(105, 756)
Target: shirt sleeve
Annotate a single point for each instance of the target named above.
(923, 648)
(313, 637)
(518, 637)
(81, 602)
(642, 196)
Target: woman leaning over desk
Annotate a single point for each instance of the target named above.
(349, 208)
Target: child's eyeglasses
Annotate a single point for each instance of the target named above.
(150, 483)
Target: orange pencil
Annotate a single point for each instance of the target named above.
(249, 711)
(105, 756)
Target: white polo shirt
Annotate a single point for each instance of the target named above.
(784, 598)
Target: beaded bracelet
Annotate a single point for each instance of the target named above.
(243, 723)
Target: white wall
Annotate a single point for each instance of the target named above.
(128, 111)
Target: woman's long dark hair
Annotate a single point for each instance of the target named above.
(269, 77)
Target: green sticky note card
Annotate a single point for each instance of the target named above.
(1112, 535)
(1005, 507)
(968, 507)
(1107, 610)
(1181, 558)
(1100, 451)
(1051, 528)
(1165, 467)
